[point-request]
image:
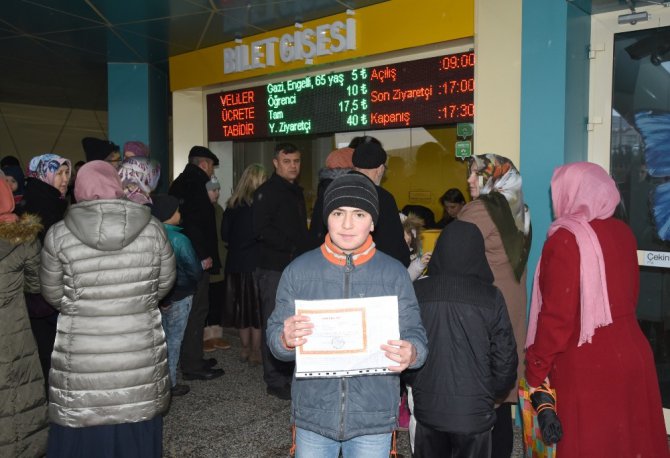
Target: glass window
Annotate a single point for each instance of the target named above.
(640, 164)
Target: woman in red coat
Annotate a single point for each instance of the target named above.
(583, 333)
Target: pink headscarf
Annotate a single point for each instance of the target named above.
(6, 203)
(581, 192)
(97, 180)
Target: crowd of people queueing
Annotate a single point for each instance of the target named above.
(109, 288)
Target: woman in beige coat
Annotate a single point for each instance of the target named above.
(23, 406)
(499, 212)
(105, 267)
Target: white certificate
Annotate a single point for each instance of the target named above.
(346, 337)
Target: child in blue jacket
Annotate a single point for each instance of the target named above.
(176, 306)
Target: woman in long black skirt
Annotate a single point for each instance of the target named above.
(240, 288)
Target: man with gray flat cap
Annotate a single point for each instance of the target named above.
(199, 223)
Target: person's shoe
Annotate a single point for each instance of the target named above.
(208, 346)
(221, 344)
(281, 392)
(203, 374)
(209, 363)
(179, 390)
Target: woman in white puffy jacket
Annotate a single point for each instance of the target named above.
(105, 267)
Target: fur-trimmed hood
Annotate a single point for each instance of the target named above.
(24, 230)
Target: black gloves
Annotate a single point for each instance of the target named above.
(544, 403)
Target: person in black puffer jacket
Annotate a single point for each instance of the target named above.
(472, 355)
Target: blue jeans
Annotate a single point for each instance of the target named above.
(174, 320)
(312, 445)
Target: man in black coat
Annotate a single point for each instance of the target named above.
(472, 355)
(369, 159)
(199, 223)
(280, 226)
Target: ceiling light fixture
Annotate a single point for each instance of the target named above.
(633, 18)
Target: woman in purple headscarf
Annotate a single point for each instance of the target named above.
(135, 149)
(583, 333)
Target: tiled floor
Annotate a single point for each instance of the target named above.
(233, 417)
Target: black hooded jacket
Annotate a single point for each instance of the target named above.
(472, 357)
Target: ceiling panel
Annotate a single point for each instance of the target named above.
(32, 18)
(146, 10)
(89, 42)
(79, 9)
(55, 52)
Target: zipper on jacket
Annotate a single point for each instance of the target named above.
(348, 268)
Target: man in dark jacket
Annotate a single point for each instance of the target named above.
(472, 355)
(280, 225)
(199, 223)
(369, 159)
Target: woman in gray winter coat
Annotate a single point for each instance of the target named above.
(23, 409)
(105, 267)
